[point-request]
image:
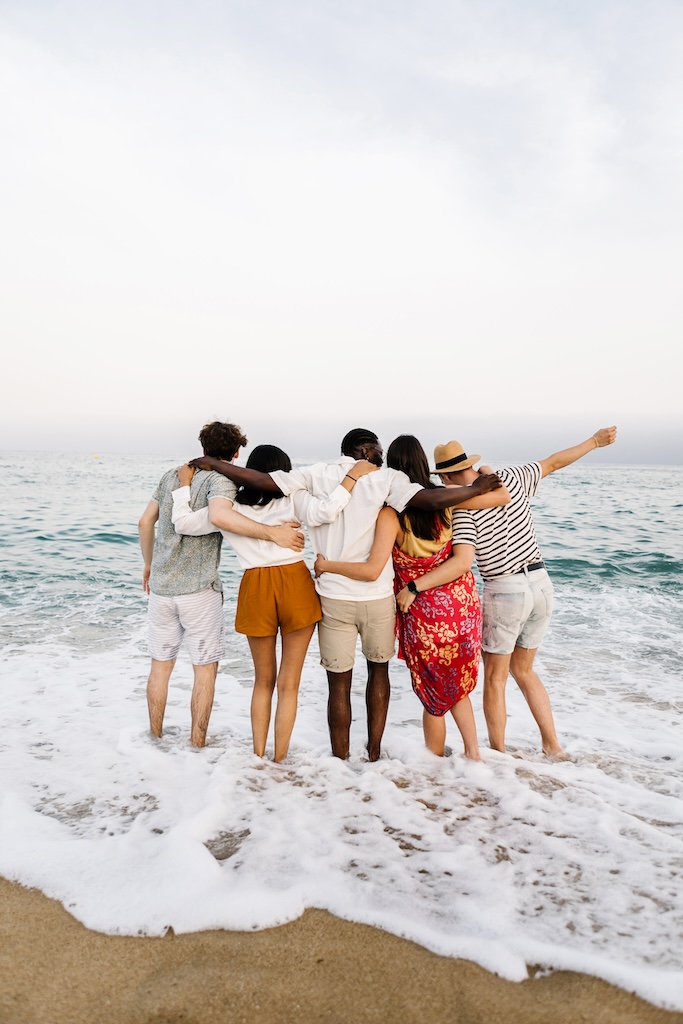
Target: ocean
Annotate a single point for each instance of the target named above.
(517, 863)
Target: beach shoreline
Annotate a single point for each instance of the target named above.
(318, 968)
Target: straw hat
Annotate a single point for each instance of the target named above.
(452, 457)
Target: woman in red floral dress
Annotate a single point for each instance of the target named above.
(439, 622)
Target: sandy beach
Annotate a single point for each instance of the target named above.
(316, 969)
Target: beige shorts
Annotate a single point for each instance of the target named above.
(344, 621)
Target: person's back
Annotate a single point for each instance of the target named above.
(518, 592)
(180, 576)
(504, 538)
(350, 536)
(185, 565)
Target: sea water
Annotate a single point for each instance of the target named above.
(515, 863)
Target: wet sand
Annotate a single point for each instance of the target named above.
(317, 970)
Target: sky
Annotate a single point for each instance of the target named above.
(455, 216)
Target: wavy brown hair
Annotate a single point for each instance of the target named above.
(222, 440)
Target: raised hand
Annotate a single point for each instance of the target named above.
(605, 436)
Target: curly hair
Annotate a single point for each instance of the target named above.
(222, 440)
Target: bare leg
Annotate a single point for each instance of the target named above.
(294, 647)
(202, 701)
(377, 693)
(339, 711)
(464, 719)
(496, 671)
(434, 729)
(263, 654)
(157, 692)
(536, 696)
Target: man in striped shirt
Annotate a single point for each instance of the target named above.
(518, 593)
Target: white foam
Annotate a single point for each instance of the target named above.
(514, 861)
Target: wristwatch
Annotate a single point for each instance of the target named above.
(412, 587)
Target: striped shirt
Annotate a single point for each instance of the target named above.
(504, 538)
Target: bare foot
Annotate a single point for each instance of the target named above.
(556, 754)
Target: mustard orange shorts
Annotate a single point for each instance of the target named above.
(277, 597)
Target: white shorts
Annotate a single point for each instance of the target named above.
(517, 611)
(197, 618)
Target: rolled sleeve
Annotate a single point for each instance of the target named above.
(401, 490)
(318, 511)
(464, 528)
(294, 480)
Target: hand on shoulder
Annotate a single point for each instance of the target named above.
(362, 468)
(185, 474)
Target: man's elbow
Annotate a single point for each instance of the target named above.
(221, 521)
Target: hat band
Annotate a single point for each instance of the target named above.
(452, 462)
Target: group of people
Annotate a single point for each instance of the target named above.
(394, 555)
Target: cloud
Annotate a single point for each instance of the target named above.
(312, 206)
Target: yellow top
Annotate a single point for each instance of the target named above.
(418, 547)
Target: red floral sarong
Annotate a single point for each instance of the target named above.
(439, 638)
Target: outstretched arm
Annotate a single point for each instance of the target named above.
(385, 535)
(600, 439)
(487, 491)
(452, 569)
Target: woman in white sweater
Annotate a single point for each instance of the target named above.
(277, 592)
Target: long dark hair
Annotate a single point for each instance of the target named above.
(406, 454)
(265, 458)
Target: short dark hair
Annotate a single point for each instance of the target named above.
(222, 440)
(355, 438)
(265, 458)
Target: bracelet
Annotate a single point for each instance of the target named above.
(596, 441)
(354, 478)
